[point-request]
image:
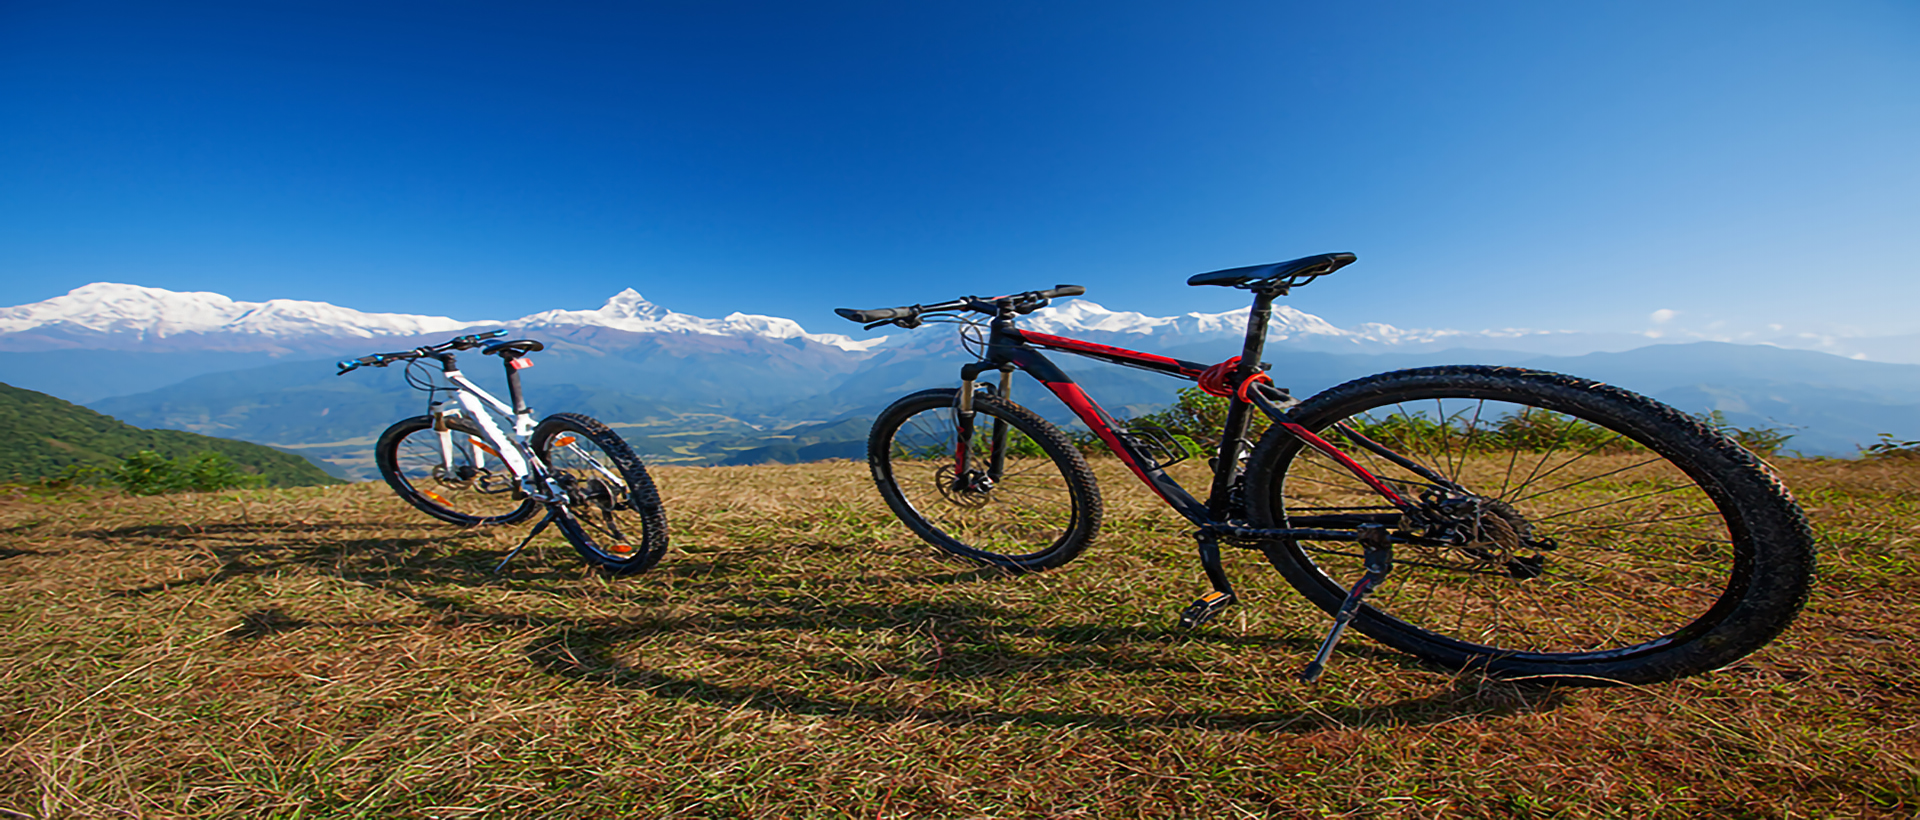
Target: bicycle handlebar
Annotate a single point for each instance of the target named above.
(909, 316)
(467, 342)
(875, 315)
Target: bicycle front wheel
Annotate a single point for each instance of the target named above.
(613, 516)
(468, 485)
(1038, 510)
(1563, 528)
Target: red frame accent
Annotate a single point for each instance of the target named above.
(1175, 366)
(1346, 461)
(1097, 419)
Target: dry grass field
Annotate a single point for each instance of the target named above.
(332, 653)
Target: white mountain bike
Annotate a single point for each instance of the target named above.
(457, 464)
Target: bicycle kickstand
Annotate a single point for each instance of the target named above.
(1210, 604)
(1377, 555)
(525, 541)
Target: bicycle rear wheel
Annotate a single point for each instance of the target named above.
(613, 516)
(1565, 529)
(1039, 513)
(474, 489)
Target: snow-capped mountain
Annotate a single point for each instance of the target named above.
(1286, 324)
(109, 316)
(1294, 329)
(106, 315)
(630, 311)
(1289, 326)
(107, 309)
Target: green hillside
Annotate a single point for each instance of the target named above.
(45, 434)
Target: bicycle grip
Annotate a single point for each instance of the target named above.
(875, 315)
(355, 364)
(1061, 290)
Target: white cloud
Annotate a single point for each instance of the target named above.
(1663, 316)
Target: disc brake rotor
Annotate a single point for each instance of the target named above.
(974, 490)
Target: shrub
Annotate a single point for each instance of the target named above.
(1193, 422)
(1533, 431)
(1890, 447)
(1195, 419)
(1763, 441)
(149, 473)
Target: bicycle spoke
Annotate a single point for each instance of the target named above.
(1630, 548)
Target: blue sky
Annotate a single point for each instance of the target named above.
(1566, 165)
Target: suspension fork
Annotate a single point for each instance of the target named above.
(443, 434)
(963, 423)
(962, 431)
(997, 463)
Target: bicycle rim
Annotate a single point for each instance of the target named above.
(475, 489)
(1039, 511)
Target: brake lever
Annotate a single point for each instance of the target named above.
(1030, 307)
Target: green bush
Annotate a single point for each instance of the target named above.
(1533, 431)
(1193, 422)
(1890, 447)
(1195, 419)
(149, 473)
(1763, 441)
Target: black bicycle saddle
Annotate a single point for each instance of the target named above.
(1297, 272)
(513, 349)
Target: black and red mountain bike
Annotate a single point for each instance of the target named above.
(1531, 523)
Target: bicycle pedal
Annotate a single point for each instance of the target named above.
(1203, 610)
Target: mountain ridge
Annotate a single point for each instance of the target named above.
(48, 434)
(105, 315)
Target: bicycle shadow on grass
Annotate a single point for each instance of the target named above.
(959, 639)
(590, 655)
(415, 557)
(401, 562)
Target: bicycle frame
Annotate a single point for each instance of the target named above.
(516, 452)
(477, 403)
(1010, 348)
(1220, 517)
(597, 487)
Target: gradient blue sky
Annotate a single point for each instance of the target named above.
(1567, 165)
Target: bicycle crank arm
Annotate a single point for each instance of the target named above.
(1378, 557)
(1210, 604)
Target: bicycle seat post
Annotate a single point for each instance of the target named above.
(513, 387)
(1233, 433)
(1257, 321)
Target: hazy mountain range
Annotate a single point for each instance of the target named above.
(695, 390)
